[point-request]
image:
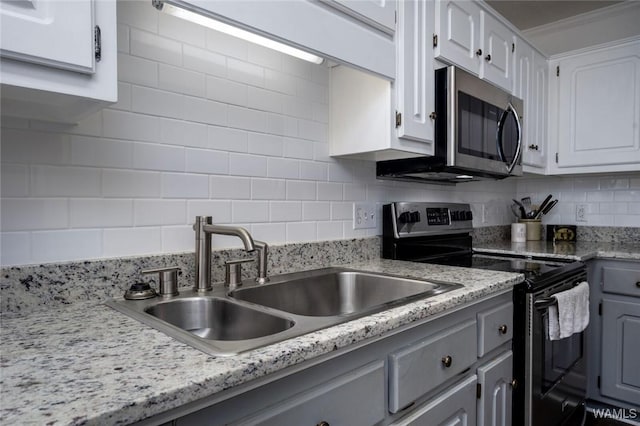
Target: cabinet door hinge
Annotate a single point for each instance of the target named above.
(600, 309)
(398, 119)
(435, 40)
(556, 157)
(513, 47)
(478, 390)
(598, 382)
(97, 43)
(558, 71)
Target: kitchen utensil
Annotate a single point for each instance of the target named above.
(548, 208)
(542, 206)
(515, 211)
(523, 211)
(526, 202)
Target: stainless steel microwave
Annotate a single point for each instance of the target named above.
(478, 134)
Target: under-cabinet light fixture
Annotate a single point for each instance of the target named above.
(216, 25)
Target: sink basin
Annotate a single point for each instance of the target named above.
(224, 323)
(218, 319)
(337, 293)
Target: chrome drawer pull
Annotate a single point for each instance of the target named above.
(503, 329)
(447, 360)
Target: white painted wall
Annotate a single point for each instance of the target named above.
(205, 125)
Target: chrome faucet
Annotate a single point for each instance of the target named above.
(204, 228)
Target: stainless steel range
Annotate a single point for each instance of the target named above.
(551, 383)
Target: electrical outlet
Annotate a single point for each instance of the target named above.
(581, 212)
(364, 216)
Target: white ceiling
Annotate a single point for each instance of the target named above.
(532, 13)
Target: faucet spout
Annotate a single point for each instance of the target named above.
(236, 231)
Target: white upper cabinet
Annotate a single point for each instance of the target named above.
(457, 28)
(498, 45)
(53, 33)
(58, 58)
(597, 97)
(380, 14)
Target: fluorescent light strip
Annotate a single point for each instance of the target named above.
(240, 33)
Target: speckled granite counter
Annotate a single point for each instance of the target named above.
(92, 365)
(580, 250)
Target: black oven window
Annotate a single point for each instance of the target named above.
(478, 129)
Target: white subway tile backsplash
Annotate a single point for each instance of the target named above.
(263, 144)
(205, 111)
(283, 168)
(100, 213)
(15, 180)
(207, 161)
(297, 67)
(247, 165)
(614, 183)
(285, 211)
(131, 241)
(24, 214)
(355, 192)
(158, 157)
(634, 182)
(312, 130)
(138, 14)
(123, 38)
(265, 100)
(156, 48)
(205, 61)
(600, 196)
(341, 211)
(301, 190)
(183, 133)
(129, 183)
(140, 71)
(56, 181)
(177, 239)
(245, 73)
(229, 92)
(627, 220)
(250, 211)
(230, 187)
(127, 125)
(329, 191)
(15, 248)
(299, 108)
(159, 212)
(227, 45)
(124, 100)
(330, 230)
(227, 139)
(340, 172)
(314, 171)
(247, 119)
(181, 30)
(271, 233)
(613, 208)
(268, 189)
(220, 211)
(307, 89)
(627, 195)
(156, 102)
(180, 80)
(301, 232)
(298, 148)
(56, 246)
(279, 82)
(24, 146)
(183, 185)
(267, 58)
(315, 210)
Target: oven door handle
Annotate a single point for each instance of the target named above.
(542, 304)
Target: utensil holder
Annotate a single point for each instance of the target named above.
(534, 229)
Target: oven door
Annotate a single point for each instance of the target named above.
(557, 374)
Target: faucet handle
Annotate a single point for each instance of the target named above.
(167, 280)
(233, 272)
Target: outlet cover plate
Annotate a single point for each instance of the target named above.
(581, 212)
(364, 216)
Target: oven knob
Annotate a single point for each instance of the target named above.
(415, 217)
(405, 217)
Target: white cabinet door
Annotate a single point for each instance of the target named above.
(536, 112)
(414, 86)
(599, 109)
(494, 404)
(379, 14)
(56, 33)
(498, 45)
(458, 31)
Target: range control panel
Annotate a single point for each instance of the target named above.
(406, 219)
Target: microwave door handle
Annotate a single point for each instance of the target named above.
(501, 124)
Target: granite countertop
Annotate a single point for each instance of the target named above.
(580, 250)
(88, 364)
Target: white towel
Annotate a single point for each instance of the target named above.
(571, 315)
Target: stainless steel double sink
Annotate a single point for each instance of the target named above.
(226, 322)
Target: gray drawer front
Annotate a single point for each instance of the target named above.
(337, 402)
(456, 406)
(491, 333)
(416, 369)
(621, 281)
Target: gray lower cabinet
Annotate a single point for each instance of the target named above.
(495, 389)
(425, 373)
(614, 333)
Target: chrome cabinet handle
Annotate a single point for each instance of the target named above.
(479, 52)
(514, 383)
(503, 329)
(447, 361)
(534, 147)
